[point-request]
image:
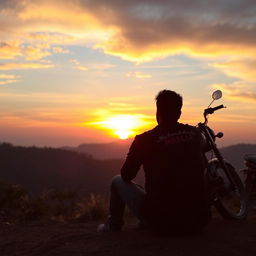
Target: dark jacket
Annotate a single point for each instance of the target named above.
(174, 169)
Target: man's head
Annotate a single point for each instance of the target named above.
(169, 104)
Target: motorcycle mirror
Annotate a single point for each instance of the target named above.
(217, 95)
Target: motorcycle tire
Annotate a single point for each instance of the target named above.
(250, 189)
(229, 199)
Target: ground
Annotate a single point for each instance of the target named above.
(33, 239)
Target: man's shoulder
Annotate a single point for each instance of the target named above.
(182, 126)
(157, 129)
(147, 133)
(189, 129)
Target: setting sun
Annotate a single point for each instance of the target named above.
(123, 134)
(124, 125)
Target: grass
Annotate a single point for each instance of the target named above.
(54, 205)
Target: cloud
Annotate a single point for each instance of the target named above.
(139, 75)
(34, 51)
(243, 69)
(10, 50)
(83, 68)
(50, 37)
(176, 36)
(8, 82)
(148, 30)
(244, 89)
(56, 109)
(75, 62)
(237, 91)
(4, 76)
(101, 66)
(46, 98)
(93, 66)
(78, 66)
(8, 79)
(140, 30)
(60, 50)
(18, 66)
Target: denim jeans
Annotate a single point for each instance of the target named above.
(122, 194)
(131, 194)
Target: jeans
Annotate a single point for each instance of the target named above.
(122, 194)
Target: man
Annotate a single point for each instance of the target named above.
(175, 196)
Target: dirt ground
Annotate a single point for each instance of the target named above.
(220, 238)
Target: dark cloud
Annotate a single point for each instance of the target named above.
(198, 9)
(6, 3)
(148, 27)
(195, 25)
(237, 91)
(246, 95)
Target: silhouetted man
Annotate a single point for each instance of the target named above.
(175, 198)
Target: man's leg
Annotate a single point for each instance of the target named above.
(123, 193)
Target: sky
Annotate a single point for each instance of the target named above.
(88, 71)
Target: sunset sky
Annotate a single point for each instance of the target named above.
(82, 71)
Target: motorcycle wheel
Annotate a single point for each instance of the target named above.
(229, 199)
(250, 189)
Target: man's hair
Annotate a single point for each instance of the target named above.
(169, 104)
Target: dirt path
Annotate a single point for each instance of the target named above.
(221, 238)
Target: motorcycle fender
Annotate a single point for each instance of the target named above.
(214, 163)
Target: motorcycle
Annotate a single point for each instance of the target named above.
(226, 189)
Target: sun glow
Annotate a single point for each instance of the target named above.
(123, 134)
(123, 126)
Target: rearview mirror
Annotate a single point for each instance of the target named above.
(217, 95)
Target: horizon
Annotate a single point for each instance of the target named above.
(117, 141)
(74, 72)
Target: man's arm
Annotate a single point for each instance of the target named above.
(133, 161)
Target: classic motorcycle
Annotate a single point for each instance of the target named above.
(226, 189)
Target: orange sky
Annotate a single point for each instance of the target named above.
(79, 71)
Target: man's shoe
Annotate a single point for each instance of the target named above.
(103, 228)
(107, 227)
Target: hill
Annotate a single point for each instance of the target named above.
(234, 154)
(40, 169)
(116, 149)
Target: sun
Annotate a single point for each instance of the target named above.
(123, 135)
(122, 125)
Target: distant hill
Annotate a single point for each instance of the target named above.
(117, 149)
(39, 169)
(235, 153)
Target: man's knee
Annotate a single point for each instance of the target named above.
(116, 180)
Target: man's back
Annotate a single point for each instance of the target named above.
(174, 176)
(175, 196)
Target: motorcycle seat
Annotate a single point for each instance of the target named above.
(251, 159)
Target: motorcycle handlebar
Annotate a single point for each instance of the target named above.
(212, 110)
